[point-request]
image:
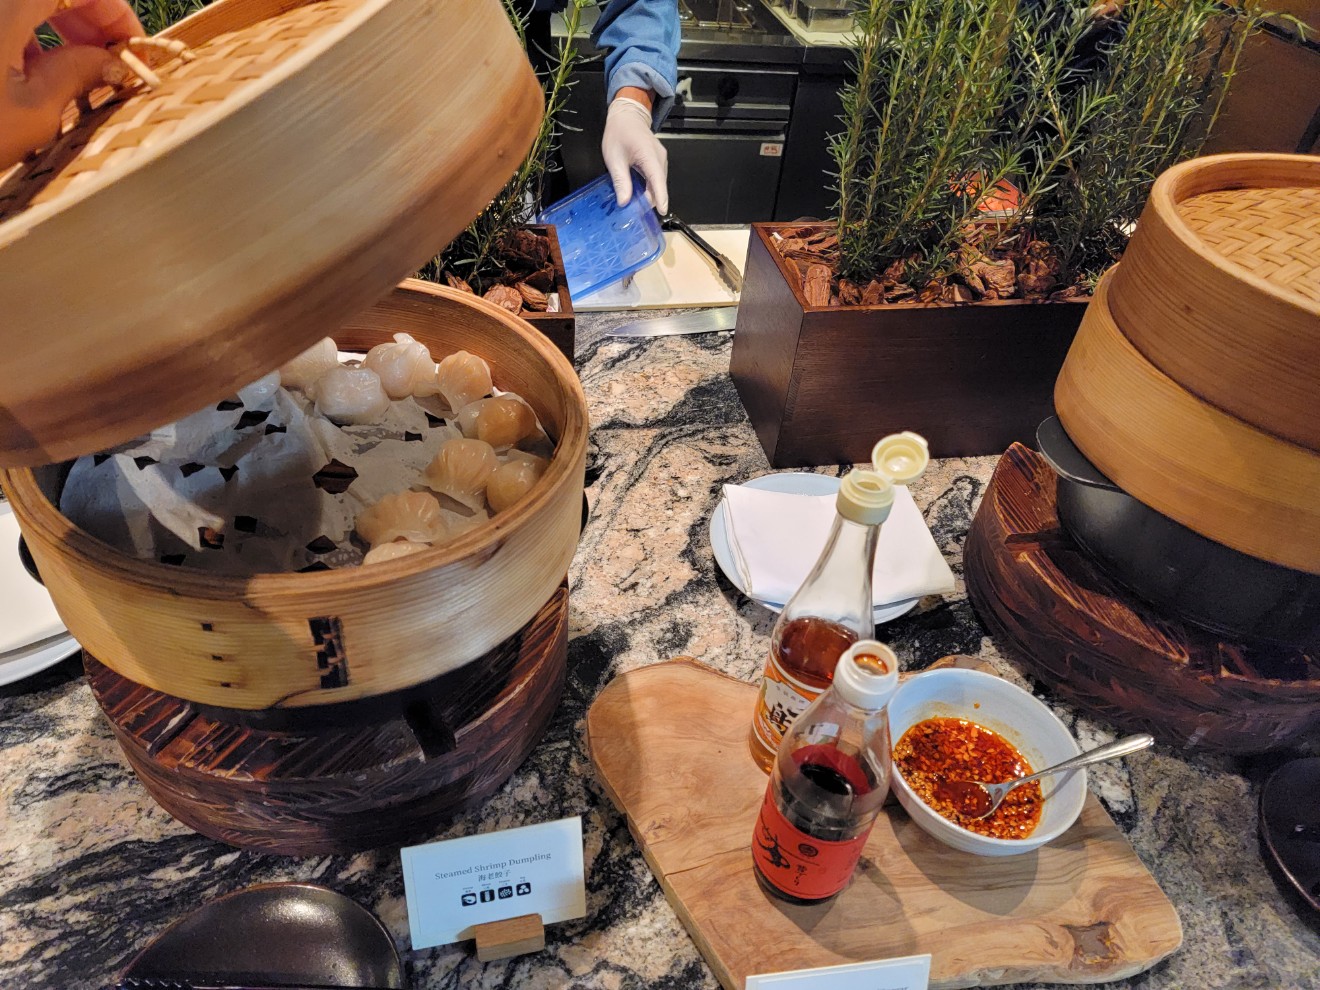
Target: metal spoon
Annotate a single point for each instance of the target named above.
(975, 799)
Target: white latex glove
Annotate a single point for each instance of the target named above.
(628, 143)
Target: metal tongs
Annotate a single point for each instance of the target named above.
(724, 268)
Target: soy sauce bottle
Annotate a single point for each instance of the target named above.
(830, 778)
(833, 608)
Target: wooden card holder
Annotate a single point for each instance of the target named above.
(510, 937)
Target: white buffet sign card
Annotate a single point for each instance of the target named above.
(907, 973)
(453, 886)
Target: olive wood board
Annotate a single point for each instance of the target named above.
(669, 743)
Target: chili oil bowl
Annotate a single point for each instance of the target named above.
(1026, 723)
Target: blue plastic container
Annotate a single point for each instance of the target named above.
(601, 241)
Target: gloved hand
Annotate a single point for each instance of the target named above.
(38, 85)
(628, 143)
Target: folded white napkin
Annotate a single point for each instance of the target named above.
(777, 537)
(27, 615)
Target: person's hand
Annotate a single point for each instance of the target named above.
(628, 143)
(37, 84)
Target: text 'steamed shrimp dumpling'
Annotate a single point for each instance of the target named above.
(501, 421)
(303, 371)
(462, 378)
(461, 471)
(405, 367)
(350, 396)
(413, 516)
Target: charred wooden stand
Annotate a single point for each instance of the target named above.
(1101, 647)
(353, 779)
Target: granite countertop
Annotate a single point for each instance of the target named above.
(91, 868)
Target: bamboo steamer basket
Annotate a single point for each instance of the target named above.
(1220, 287)
(1182, 456)
(178, 243)
(308, 639)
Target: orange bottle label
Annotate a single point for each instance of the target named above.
(783, 698)
(797, 863)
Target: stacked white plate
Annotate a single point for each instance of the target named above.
(32, 637)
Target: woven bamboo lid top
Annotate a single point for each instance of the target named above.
(178, 242)
(130, 127)
(1272, 232)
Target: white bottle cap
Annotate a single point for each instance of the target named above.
(867, 674)
(901, 457)
(865, 497)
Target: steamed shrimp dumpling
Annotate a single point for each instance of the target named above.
(412, 516)
(405, 367)
(393, 551)
(310, 365)
(462, 378)
(261, 391)
(512, 480)
(501, 421)
(461, 470)
(540, 463)
(350, 396)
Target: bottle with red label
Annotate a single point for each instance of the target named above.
(833, 608)
(830, 778)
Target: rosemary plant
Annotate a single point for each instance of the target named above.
(1150, 100)
(473, 255)
(157, 15)
(1082, 111)
(920, 123)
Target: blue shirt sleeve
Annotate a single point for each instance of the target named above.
(642, 37)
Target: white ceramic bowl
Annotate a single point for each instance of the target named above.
(1013, 713)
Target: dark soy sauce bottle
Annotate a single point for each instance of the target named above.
(831, 776)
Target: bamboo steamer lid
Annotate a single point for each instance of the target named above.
(176, 244)
(1182, 456)
(1220, 287)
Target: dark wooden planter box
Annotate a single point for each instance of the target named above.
(559, 327)
(822, 384)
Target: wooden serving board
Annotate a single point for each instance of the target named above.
(669, 745)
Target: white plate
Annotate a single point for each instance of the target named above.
(35, 658)
(791, 483)
(27, 615)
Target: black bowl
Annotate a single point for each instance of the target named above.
(294, 934)
(1290, 825)
(1180, 572)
